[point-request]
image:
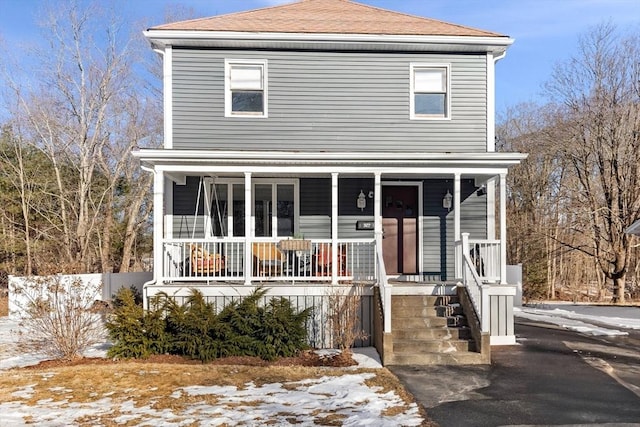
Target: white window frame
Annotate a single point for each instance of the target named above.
(228, 64)
(447, 108)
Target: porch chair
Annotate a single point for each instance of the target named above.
(205, 263)
(323, 260)
(268, 260)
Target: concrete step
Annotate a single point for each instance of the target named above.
(453, 358)
(432, 346)
(427, 311)
(419, 322)
(462, 332)
(398, 301)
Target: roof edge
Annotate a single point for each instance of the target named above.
(161, 38)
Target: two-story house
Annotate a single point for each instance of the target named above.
(328, 143)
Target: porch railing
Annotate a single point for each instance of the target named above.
(477, 292)
(271, 259)
(385, 287)
(484, 256)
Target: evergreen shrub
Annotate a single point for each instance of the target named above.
(134, 332)
(196, 330)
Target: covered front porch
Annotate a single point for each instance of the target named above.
(228, 219)
(295, 217)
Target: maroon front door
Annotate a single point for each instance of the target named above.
(400, 229)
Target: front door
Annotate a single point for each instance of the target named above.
(400, 229)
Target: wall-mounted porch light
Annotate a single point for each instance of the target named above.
(446, 201)
(361, 201)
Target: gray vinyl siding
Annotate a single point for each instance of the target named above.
(327, 101)
(315, 208)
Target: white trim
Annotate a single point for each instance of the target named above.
(420, 225)
(377, 205)
(447, 94)
(248, 229)
(440, 171)
(338, 157)
(491, 209)
(503, 228)
(456, 207)
(334, 227)
(491, 103)
(502, 290)
(426, 42)
(158, 224)
(168, 202)
(228, 64)
(502, 340)
(167, 67)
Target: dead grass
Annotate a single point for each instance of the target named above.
(4, 305)
(155, 385)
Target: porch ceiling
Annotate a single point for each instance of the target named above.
(280, 162)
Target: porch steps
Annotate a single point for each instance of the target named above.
(431, 330)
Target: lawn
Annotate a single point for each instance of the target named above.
(171, 391)
(135, 393)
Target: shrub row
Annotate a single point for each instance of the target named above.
(197, 330)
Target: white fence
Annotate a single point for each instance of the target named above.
(106, 286)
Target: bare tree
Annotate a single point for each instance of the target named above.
(85, 108)
(600, 140)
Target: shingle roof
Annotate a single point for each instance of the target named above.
(327, 17)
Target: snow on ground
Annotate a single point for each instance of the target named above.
(586, 319)
(347, 396)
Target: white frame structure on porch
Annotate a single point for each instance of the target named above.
(177, 164)
(484, 167)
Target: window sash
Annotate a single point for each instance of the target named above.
(429, 91)
(432, 80)
(246, 77)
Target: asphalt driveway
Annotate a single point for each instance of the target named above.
(554, 377)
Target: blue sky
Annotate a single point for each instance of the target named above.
(545, 31)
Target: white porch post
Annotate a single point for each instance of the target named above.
(158, 225)
(334, 228)
(457, 253)
(456, 207)
(248, 235)
(491, 209)
(503, 228)
(377, 208)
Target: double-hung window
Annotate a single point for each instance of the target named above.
(430, 90)
(245, 88)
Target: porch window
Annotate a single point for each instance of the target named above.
(429, 91)
(246, 88)
(278, 222)
(225, 223)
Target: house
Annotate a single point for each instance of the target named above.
(324, 144)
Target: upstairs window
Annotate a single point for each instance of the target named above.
(246, 88)
(429, 92)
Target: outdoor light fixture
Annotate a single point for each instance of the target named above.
(482, 190)
(446, 201)
(361, 201)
